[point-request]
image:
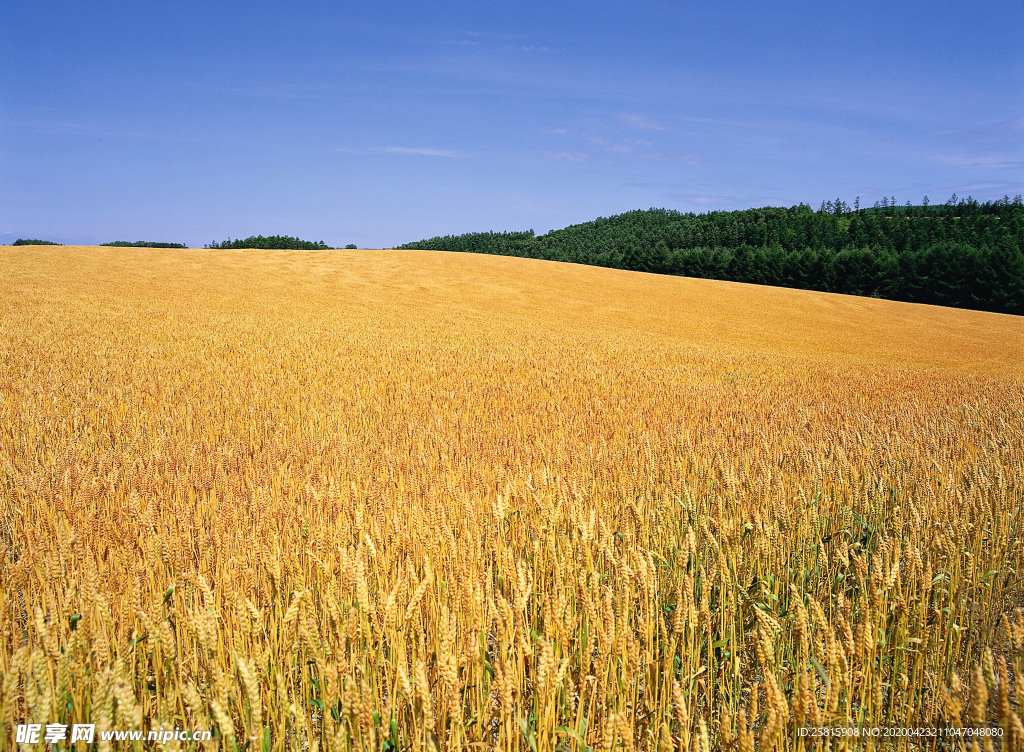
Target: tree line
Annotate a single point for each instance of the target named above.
(143, 244)
(962, 253)
(116, 243)
(272, 242)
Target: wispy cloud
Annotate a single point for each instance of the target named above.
(641, 184)
(990, 187)
(640, 122)
(636, 148)
(995, 161)
(487, 41)
(652, 156)
(399, 150)
(626, 146)
(286, 90)
(1006, 129)
(564, 155)
(605, 149)
(421, 152)
(528, 48)
(713, 202)
(734, 181)
(705, 201)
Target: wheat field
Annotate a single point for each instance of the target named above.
(378, 500)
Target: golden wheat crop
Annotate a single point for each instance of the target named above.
(376, 500)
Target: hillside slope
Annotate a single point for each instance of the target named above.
(961, 254)
(481, 294)
(270, 483)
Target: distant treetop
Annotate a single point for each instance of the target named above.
(272, 242)
(27, 241)
(143, 244)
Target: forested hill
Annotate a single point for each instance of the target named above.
(962, 253)
(271, 242)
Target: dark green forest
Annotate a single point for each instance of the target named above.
(143, 244)
(28, 241)
(272, 242)
(962, 253)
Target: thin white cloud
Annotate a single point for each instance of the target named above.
(564, 155)
(616, 147)
(713, 202)
(636, 149)
(528, 48)
(688, 159)
(1007, 129)
(421, 152)
(641, 122)
(398, 150)
(998, 162)
(734, 181)
(706, 201)
(992, 188)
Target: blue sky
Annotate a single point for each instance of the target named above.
(385, 122)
